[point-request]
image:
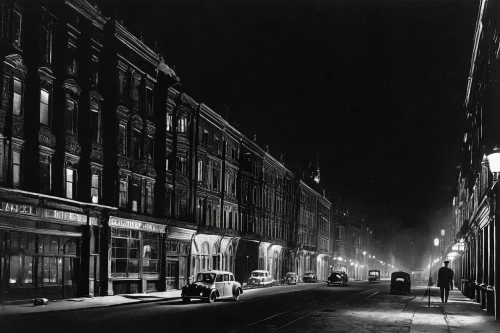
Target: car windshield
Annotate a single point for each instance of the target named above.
(309, 274)
(290, 274)
(205, 277)
(257, 274)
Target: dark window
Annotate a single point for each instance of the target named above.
(70, 183)
(71, 117)
(123, 193)
(137, 144)
(46, 51)
(5, 21)
(72, 63)
(122, 82)
(149, 100)
(135, 93)
(45, 174)
(150, 148)
(95, 128)
(16, 98)
(150, 252)
(149, 198)
(16, 28)
(122, 139)
(94, 76)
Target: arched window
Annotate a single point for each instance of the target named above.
(204, 256)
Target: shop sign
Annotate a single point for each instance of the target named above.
(179, 234)
(138, 225)
(19, 209)
(66, 216)
(93, 221)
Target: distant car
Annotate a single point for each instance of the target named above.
(309, 276)
(290, 278)
(374, 275)
(400, 282)
(210, 285)
(260, 278)
(339, 278)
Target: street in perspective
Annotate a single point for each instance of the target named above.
(249, 166)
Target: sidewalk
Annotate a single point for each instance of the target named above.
(96, 302)
(460, 314)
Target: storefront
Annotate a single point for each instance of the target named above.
(40, 250)
(134, 256)
(177, 250)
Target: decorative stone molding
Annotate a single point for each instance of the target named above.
(137, 122)
(144, 168)
(46, 74)
(122, 113)
(17, 63)
(71, 87)
(46, 138)
(3, 114)
(123, 162)
(96, 155)
(72, 145)
(150, 127)
(17, 127)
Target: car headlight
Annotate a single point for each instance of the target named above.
(201, 293)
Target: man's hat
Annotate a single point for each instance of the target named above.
(446, 261)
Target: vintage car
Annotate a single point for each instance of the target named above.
(400, 282)
(290, 278)
(310, 276)
(339, 278)
(210, 285)
(260, 278)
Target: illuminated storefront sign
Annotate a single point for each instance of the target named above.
(16, 208)
(66, 216)
(137, 225)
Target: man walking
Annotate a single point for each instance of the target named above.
(445, 280)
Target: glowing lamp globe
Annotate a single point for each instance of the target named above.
(494, 160)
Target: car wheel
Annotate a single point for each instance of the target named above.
(236, 295)
(186, 300)
(211, 297)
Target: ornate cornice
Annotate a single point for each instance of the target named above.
(136, 45)
(89, 12)
(70, 86)
(17, 63)
(46, 74)
(96, 155)
(72, 145)
(123, 162)
(46, 138)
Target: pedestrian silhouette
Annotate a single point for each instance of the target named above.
(445, 281)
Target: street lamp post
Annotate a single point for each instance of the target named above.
(494, 165)
(436, 244)
(364, 262)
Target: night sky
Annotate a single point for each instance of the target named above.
(374, 88)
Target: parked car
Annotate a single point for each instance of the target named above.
(339, 278)
(310, 276)
(400, 282)
(290, 278)
(210, 285)
(260, 278)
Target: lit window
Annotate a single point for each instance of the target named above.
(16, 103)
(136, 195)
(94, 192)
(200, 171)
(45, 174)
(16, 168)
(44, 107)
(169, 122)
(70, 183)
(182, 124)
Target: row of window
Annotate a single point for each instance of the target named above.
(14, 242)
